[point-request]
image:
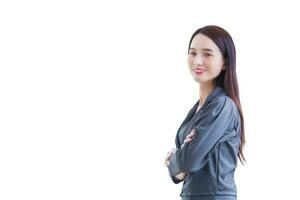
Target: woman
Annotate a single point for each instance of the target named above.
(211, 137)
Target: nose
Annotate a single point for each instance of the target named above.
(198, 61)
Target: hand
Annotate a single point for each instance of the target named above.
(180, 176)
(189, 137)
(169, 154)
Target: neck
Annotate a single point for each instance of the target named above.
(204, 90)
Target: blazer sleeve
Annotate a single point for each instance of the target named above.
(173, 167)
(173, 171)
(217, 117)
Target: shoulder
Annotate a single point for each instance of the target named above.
(227, 105)
(223, 105)
(228, 102)
(219, 110)
(222, 102)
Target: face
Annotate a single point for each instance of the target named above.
(205, 59)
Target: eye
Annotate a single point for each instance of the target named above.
(207, 55)
(192, 53)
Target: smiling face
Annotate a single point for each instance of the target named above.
(205, 59)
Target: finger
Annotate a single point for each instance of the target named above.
(190, 136)
(167, 163)
(168, 155)
(192, 133)
(187, 140)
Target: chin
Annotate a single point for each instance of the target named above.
(199, 80)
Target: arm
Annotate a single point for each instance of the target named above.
(175, 178)
(181, 175)
(212, 125)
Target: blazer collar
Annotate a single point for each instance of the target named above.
(215, 93)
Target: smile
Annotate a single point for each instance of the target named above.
(199, 71)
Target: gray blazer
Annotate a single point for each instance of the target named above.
(210, 159)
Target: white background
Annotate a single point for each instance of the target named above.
(92, 94)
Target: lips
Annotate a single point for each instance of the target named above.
(199, 70)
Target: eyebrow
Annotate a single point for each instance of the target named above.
(203, 49)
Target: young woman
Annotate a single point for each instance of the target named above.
(211, 137)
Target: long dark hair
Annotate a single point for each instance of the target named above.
(227, 79)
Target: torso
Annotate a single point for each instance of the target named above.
(182, 131)
(198, 108)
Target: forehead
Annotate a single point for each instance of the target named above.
(202, 42)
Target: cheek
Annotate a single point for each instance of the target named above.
(216, 65)
(190, 62)
(215, 71)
